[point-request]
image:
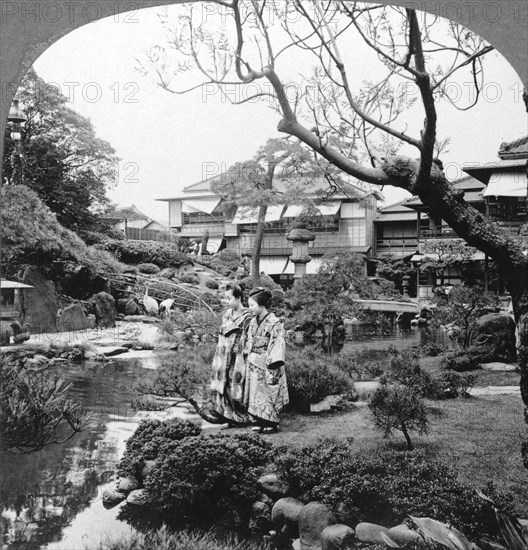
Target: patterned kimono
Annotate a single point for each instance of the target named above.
(266, 391)
(229, 369)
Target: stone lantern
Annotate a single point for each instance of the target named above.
(300, 237)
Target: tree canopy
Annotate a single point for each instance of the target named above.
(63, 160)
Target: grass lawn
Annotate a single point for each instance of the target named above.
(480, 437)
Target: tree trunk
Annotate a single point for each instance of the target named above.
(257, 245)
(407, 436)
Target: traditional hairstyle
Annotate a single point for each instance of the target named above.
(261, 295)
(238, 290)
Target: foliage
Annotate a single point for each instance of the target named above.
(211, 300)
(31, 234)
(384, 489)
(36, 411)
(398, 408)
(441, 254)
(465, 360)
(182, 377)
(462, 306)
(404, 368)
(454, 384)
(148, 268)
(433, 349)
(322, 301)
(199, 475)
(63, 161)
(395, 270)
(225, 262)
(149, 438)
(156, 252)
(361, 364)
(190, 278)
(311, 377)
(212, 284)
(163, 539)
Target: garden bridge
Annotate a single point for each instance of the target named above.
(388, 306)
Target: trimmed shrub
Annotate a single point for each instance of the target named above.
(361, 364)
(312, 376)
(404, 368)
(202, 475)
(454, 384)
(136, 252)
(189, 278)
(212, 284)
(466, 360)
(149, 438)
(398, 408)
(385, 489)
(149, 269)
(433, 349)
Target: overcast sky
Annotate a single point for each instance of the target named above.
(166, 141)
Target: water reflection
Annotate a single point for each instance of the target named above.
(52, 498)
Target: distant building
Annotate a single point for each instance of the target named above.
(344, 223)
(136, 225)
(497, 189)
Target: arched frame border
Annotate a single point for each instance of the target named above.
(28, 28)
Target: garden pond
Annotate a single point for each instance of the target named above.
(52, 499)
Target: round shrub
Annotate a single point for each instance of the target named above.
(212, 284)
(149, 437)
(198, 476)
(385, 489)
(189, 278)
(312, 377)
(149, 269)
(465, 360)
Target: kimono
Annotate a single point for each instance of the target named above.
(229, 368)
(266, 390)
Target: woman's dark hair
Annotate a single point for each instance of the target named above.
(238, 291)
(261, 295)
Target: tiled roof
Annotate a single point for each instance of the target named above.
(126, 212)
(514, 148)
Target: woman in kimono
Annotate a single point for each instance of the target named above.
(228, 370)
(266, 391)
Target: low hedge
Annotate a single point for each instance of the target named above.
(312, 376)
(136, 252)
(466, 359)
(385, 489)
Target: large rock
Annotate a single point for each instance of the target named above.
(286, 510)
(127, 484)
(104, 309)
(337, 537)
(40, 304)
(132, 307)
(72, 318)
(138, 497)
(273, 486)
(314, 518)
(495, 331)
(285, 515)
(402, 535)
(371, 533)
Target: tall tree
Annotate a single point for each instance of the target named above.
(422, 55)
(281, 172)
(63, 160)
